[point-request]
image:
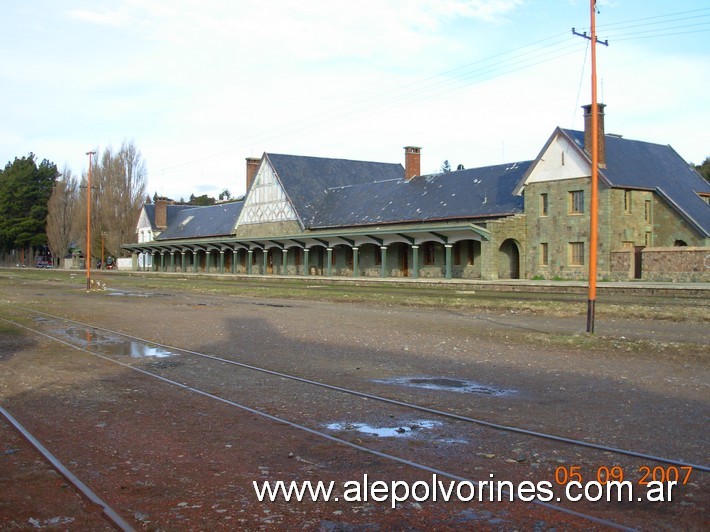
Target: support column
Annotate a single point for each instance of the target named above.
(306, 268)
(250, 256)
(235, 257)
(221, 261)
(356, 261)
(195, 257)
(183, 263)
(265, 253)
(329, 262)
(383, 261)
(447, 248)
(172, 261)
(415, 262)
(284, 261)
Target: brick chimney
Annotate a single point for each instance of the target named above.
(588, 131)
(412, 166)
(252, 167)
(161, 212)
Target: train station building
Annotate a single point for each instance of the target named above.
(315, 216)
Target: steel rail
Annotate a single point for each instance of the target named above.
(419, 408)
(324, 435)
(109, 513)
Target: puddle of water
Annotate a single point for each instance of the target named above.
(445, 384)
(400, 431)
(115, 292)
(111, 344)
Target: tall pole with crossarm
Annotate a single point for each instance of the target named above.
(88, 225)
(594, 200)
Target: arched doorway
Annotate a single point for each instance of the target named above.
(509, 260)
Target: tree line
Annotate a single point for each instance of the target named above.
(42, 209)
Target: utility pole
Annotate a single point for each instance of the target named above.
(594, 152)
(88, 225)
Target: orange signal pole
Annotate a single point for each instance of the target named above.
(594, 200)
(88, 225)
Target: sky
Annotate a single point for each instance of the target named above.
(200, 85)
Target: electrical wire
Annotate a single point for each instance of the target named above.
(497, 65)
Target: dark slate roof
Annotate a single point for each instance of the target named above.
(475, 193)
(306, 179)
(643, 165)
(171, 212)
(198, 222)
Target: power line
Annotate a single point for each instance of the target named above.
(497, 65)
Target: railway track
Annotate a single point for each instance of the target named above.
(95, 349)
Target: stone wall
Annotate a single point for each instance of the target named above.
(622, 265)
(676, 264)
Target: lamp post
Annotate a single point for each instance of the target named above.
(88, 225)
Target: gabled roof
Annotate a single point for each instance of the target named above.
(197, 222)
(475, 193)
(306, 179)
(171, 212)
(643, 165)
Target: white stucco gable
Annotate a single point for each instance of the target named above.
(266, 200)
(144, 228)
(559, 159)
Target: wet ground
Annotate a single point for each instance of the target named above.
(170, 460)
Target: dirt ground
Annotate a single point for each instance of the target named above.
(166, 458)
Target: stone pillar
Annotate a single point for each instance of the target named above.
(356, 261)
(415, 262)
(284, 261)
(250, 257)
(134, 261)
(447, 248)
(489, 263)
(221, 261)
(329, 262)
(306, 268)
(383, 261)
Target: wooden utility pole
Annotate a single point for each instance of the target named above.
(88, 225)
(594, 206)
(594, 152)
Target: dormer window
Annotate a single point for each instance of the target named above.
(185, 221)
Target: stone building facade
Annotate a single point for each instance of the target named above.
(333, 217)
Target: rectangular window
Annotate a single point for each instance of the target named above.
(429, 253)
(463, 253)
(576, 253)
(647, 211)
(576, 202)
(544, 258)
(543, 204)
(627, 201)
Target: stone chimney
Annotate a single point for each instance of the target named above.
(588, 131)
(412, 165)
(161, 212)
(252, 167)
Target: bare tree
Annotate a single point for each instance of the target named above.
(118, 184)
(61, 216)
